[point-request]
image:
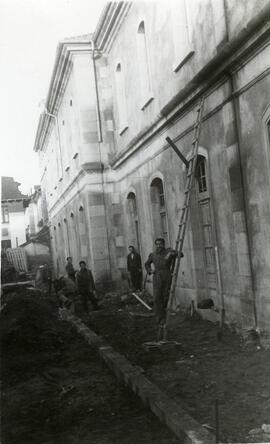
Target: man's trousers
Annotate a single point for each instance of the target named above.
(161, 287)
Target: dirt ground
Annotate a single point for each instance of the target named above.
(56, 390)
(199, 370)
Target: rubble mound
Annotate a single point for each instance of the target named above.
(31, 333)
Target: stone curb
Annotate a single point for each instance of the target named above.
(168, 411)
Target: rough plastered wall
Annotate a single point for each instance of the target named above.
(240, 12)
(219, 142)
(170, 27)
(256, 170)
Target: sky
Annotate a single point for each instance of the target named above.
(29, 33)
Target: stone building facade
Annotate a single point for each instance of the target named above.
(112, 179)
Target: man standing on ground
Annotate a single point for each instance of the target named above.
(134, 267)
(70, 269)
(86, 286)
(161, 259)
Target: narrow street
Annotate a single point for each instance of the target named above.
(56, 390)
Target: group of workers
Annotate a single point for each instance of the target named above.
(81, 282)
(158, 264)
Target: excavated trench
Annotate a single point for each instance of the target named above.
(56, 389)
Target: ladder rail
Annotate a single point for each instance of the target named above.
(185, 211)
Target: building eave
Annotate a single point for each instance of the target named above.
(109, 23)
(60, 74)
(231, 56)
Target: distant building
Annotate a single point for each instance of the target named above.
(37, 215)
(13, 204)
(110, 177)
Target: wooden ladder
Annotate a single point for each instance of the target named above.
(191, 170)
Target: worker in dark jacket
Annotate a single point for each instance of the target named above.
(161, 261)
(134, 267)
(70, 269)
(86, 286)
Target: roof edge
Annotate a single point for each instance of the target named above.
(61, 68)
(110, 21)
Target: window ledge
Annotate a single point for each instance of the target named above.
(147, 102)
(178, 65)
(124, 128)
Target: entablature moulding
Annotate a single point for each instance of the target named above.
(76, 188)
(233, 55)
(61, 73)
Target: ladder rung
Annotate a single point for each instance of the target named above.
(190, 173)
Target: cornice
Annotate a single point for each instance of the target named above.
(229, 59)
(109, 24)
(60, 75)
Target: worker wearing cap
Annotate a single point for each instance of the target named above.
(161, 259)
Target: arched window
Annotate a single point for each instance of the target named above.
(133, 223)
(144, 65)
(159, 213)
(201, 175)
(205, 225)
(121, 98)
(60, 243)
(81, 231)
(66, 237)
(74, 238)
(132, 204)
